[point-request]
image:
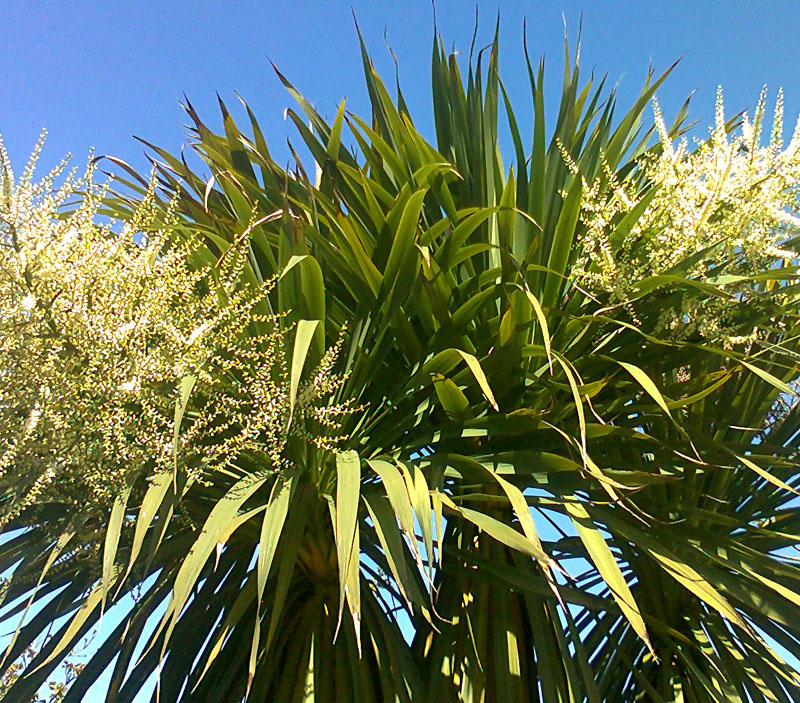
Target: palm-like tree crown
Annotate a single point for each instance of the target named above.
(503, 428)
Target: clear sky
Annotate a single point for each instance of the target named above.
(95, 73)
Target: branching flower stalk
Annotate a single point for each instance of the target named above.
(727, 207)
(97, 330)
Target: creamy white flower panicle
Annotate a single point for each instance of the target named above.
(727, 206)
(98, 327)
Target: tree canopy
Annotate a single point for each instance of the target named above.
(410, 423)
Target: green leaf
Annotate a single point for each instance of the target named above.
(348, 483)
(222, 522)
(397, 492)
(153, 498)
(271, 528)
(336, 133)
(452, 398)
(774, 480)
(58, 549)
(523, 513)
(647, 384)
(403, 239)
(769, 378)
(537, 308)
(500, 531)
(303, 337)
(419, 492)
(76, 623)
(112, 540)
(186, 387)
(607, 566)
(562, 243)
(685, 402)
(475, 366)
(385, 521)
(682, 572)
(305, 299)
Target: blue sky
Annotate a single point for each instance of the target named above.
(96, 73)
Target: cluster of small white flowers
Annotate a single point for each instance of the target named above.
(317, 419)
(97, 330)
(729, 206)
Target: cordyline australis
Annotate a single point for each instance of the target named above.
(423, 428)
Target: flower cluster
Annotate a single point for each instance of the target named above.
(315, 421)
(100, 328)
(729, 206)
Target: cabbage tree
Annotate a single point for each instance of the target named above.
(411, 423)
